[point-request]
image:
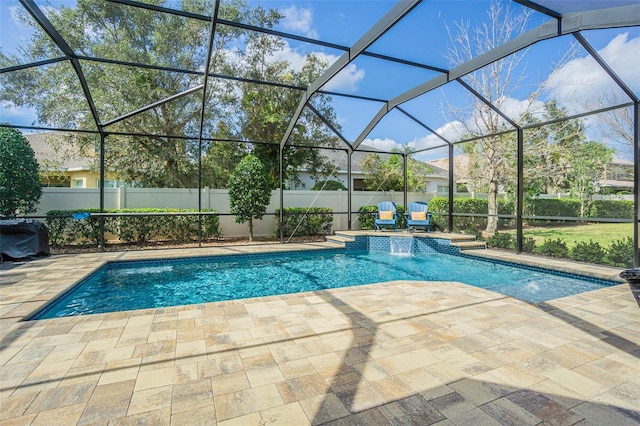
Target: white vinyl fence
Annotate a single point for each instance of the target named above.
(218, 199)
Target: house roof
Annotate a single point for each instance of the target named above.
(339, 158)
(54, 151)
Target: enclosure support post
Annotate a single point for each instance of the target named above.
(406, 185)
(520, 190)
(102, 137)
(636, 184)
(281, 219)
(451, 188)
(349, 189)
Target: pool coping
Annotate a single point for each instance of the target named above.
(36, 284)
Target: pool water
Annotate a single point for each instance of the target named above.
(154, 284)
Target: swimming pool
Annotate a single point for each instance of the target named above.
(123, 286)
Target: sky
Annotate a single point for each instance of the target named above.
(423, 36)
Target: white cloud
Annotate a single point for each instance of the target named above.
(385, 144)
(582, 84)
(346, 80)
(299, 20)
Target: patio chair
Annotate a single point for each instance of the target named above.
(385, 216)
(417, 215)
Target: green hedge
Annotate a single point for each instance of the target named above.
(312, 221)
(532, 207)
(611, 209)
(365, 217)
(65, 230)
(468, 205)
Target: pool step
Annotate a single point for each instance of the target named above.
(461, 241)
(470, 245)
(339, 239)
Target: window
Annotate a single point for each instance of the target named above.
(78, 183)
(443, 188)
(358, 185)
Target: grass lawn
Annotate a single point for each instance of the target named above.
(602, 233)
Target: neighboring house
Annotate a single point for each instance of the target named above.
(437, 181)
(62, 164)
(618, 176)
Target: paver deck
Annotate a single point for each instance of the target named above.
(401, 352)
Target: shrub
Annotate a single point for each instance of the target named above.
(554, 248)
(501, 240)
(471, 224)
(139, 229)
(620, 253)
(365, 216)
(65, 230)
(588, 252)
(328, 185)
(550, 207)
(611, 209)
(528, 244)
(308, 221)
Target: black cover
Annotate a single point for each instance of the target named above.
(22, 239)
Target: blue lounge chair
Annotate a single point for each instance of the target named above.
(385, 216)
(417, 215)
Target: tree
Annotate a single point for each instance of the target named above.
(490, 156)
(617, 125)
(380, 175)
(114, 31)
(328, 185)
(547, 151)
(249, 191)
(20, 188)
(265, 111)
(588, 162)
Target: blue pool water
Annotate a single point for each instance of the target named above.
(153, 284)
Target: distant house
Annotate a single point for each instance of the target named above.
(618, 176)
(63, 164)
(437, 181)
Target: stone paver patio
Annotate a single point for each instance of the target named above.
(401, 352)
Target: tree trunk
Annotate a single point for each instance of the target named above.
(250, 229)
(492, 221)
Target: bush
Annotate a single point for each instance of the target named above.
(588, 252)
(554, 248)
(503, 240)
(308, 221)
(65, 230)
(328, 185)
(551, 207)
(468, 205)
(620, 253)
(528, 244)
(611, 209)
(139, 229)
(365, 216)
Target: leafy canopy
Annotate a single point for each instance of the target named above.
(381, 175)
(20, 188)
(234, 110)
